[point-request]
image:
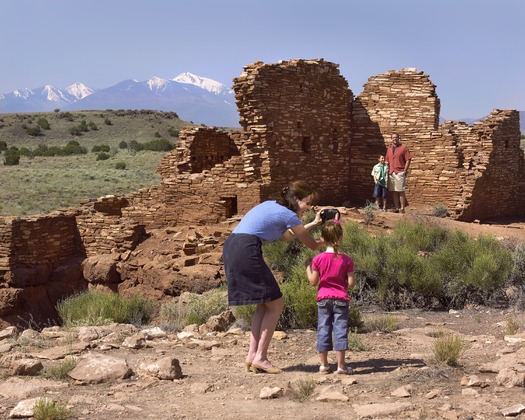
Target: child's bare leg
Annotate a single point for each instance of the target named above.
(323, 356)
(384, 203)
(340, 355)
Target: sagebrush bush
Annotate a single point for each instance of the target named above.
(100, 308)
(196, 310)
(448, 348)
(440, 210)
(61, 371)
(47, 409)
(305, 388)
(383, 323)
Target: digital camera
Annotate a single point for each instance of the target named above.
(329, 214)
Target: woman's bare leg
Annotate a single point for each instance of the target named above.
(264, 322)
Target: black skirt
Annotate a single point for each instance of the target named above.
(250, 280)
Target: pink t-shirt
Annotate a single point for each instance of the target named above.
(333, 275)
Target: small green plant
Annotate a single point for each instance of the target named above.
(12, 156)
(448, 348)
(103, 156)
(61, 371)
(244, 315)
(511, 327)
(196, 310)
(355, 342)
(369, 212)
(100, 308)
(305, 388)
(440, 210)
(46, 409)
(120, 165)
(383, 323)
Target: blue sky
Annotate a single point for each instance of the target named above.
(471, 49)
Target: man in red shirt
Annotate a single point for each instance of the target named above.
(398, 160)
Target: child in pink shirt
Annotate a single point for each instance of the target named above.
(333, 273)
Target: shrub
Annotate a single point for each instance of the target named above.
(160, 145)
(43, 123)
(369, 212)
(383, 323)
(305, 388)
(156, 134)
(100, 148)
(12, 156)
(103, 156)
(440, 210)
(92, 126)
(33, 131)
(60, 371)
(46, 409)
(173, 132)
(355, 343)
(67, 116)
(120, 165)
(75, 131)
(472, 270)
(107, 121)
(123, 145)
(135, 146)
(196, 310)
(3, 146)
(100, 308)
(73, 148)
(448, 348)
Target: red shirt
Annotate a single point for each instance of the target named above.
(397, 158)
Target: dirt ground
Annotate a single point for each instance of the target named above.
(395, 376)
(215, 386)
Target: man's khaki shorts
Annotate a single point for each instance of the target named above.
(397, 182)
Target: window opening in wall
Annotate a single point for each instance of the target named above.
(335, 147)
(506, 144)
(299, 124)
(306, 144)
(230, 206)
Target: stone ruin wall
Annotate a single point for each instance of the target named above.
(403, 101)
(298, 113)
(462, 167)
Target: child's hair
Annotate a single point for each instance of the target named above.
(380, 156)
(299, 190)
(332, 233)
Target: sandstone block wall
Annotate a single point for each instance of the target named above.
(403, 101)
(299, 114)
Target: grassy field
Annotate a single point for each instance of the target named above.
(43, 184)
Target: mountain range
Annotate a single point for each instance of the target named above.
(194, 98)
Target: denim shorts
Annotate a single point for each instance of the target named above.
(332, 318)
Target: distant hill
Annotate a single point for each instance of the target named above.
(194, 98)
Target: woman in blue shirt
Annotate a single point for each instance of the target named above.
(250, 280)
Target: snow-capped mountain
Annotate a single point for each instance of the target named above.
(202, 82)
(79, 90)
(194, 98)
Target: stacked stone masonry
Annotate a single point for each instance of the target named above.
(299, 120)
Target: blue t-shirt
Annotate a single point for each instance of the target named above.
(268, 221)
